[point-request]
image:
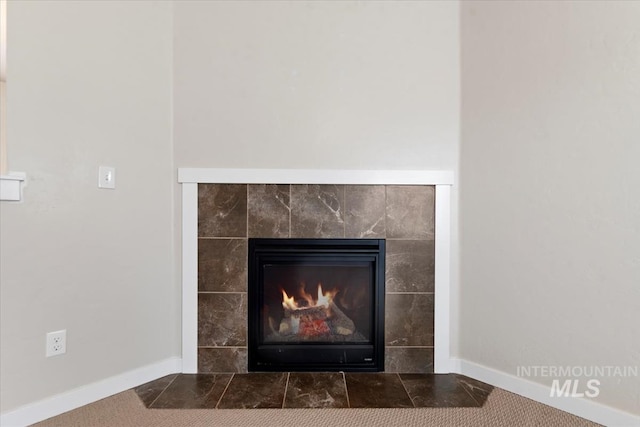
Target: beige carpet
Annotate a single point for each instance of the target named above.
(501, 409)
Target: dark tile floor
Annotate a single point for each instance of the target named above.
(313, 390)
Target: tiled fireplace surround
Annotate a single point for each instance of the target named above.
(228, 213)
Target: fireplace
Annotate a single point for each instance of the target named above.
(223, 208)
(316, 304)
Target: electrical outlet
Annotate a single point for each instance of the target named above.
(56, 343)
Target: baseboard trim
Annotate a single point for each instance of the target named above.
(582, 407)
(63, 402)
(58, 404)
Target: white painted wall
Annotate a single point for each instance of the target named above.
(549, 188)
(89, 85)
(308, 84)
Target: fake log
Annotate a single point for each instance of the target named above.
(306, 320)
(313, 312)
(340, 322)
(314, 321)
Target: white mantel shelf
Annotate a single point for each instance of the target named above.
(442, 180)
(314, 176)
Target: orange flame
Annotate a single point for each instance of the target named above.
(288, 302)
(323, 299)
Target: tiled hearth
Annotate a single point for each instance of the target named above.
(312, 390)
(229, 214)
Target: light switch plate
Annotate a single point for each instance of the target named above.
(107, 177)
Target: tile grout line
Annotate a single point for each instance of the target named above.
(246, 256)
(222, 292)
(346, 389)
(406, 391)
(385, 214)
(221, 238)
(162, 392)
(247, 228)
(344, 211)
(221, 346)
(204, 398)
(386, 267)
(225, 390)
(408, 346)
(290, 209)
(410, 293)
(286, 387)
(469, 393)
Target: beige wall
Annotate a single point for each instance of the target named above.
(316, 84)
(89, 86)
(296, 84)
(549, 131)
(3, 78)
(550, 201)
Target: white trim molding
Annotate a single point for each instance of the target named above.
(189, 278)
(314, 176)
(60, 403)
(11, 186)
(190, 178)
(580, 406)
(442, 282)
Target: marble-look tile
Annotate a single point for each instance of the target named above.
(438, 391)
(320, 211)
(316, 390)
(410, 212)
(222, 265)
(255, 390)
(313, 390)
(221, 359)
(410, 360)
(409, 319)
(317, 211)
(409, 265)
(477, 389)
(364, 216)
(269, 210)
(376, 390)
(222, 319)
(198, 391)
(222, 210)
(150, 391)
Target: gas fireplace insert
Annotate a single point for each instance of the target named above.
(316, 304)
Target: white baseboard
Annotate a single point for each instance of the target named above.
(582, 407)
(60, 403)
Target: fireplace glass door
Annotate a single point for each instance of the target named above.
(316, 304)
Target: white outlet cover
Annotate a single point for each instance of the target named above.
(56, 343)
(107, 177)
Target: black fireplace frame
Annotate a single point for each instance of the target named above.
(311, 357)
